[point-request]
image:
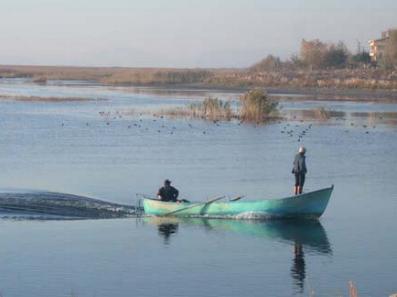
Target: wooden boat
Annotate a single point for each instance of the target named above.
(306, 205)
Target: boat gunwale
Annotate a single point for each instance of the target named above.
(244, 202)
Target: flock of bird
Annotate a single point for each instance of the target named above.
(140, 122)
(364, 126)
(289, 129)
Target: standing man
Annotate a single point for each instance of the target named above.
(300, 170)
(168, 192)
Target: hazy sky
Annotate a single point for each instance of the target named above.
(180, 33)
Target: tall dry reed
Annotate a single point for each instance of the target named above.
(212, 109)
(256, 106)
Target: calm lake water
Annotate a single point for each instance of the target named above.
(93, 148)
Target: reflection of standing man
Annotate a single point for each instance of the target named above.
(300, 170)
(298, 267)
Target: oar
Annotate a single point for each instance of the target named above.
(192, 206)
(237, 198)
(145, 196)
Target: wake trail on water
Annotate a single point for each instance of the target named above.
(53, 205)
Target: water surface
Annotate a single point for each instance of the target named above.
(70, 147)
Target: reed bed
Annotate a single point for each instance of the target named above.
(44, 99)
(360, 78)
(212, 109)
(41, 80)
(352, 290)
(255, 106)
(322, 114)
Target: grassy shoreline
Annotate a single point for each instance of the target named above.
(332, 81)
(44, 99)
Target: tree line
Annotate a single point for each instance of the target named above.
(318, 55)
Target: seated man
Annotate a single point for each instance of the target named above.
(168, 192)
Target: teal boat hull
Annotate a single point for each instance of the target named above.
(305, 206)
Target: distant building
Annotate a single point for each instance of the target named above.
(377, 46)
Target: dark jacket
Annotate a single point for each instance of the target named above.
(299, 165)
(168, 193)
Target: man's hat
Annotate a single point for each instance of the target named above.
(167, 182)
(302, 150)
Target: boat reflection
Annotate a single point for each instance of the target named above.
(308, 233)
(303, 236)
